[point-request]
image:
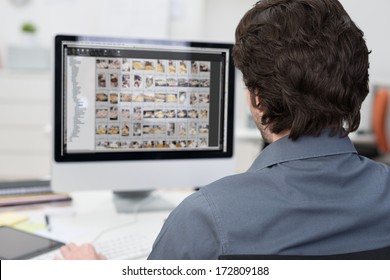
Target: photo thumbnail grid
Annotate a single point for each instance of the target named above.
(152, 104)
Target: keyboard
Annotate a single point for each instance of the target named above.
(127, 247)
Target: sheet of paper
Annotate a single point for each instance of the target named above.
(11, 218)
(29, 226)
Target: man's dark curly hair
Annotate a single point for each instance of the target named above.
(307, 62)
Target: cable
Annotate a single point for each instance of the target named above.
(135, 213)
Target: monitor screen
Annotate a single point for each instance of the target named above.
(146, 108)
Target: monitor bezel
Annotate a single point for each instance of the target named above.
(59, 156)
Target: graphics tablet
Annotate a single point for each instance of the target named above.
(20, 245)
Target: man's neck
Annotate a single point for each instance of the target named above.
(276, 137)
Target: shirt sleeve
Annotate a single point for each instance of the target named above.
(190, 232)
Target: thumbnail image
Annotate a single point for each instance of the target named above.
(137, 81)
(204, 82)
(182, 97)
(161, 82)
(160, 97)
(203, 129)
(172, 82)
(204, 114)
(193, 114)
(125, 113)
(193, 98)
(161, 66)
(181, 144)
(101, 97)
(101, 64)
(114, 98)
(204, 98)
(137, 129)
(101, 113)
(125, 129)
(172, 67)
(171, 129)
(136, 144)
(113, 129)
(149, 65)
(137, 113)
(191, 144)
(203, 142)
(193, 129)
(147, 129)
(126, 97)
(113, 113)
(138, 65)
(125, 144)
(170, 114)
(101, 129)
(149, 97)
(183, 69)
(126, 81)
(114, 144)
(137, 97)
(204, 66)
(114, 64)
(159, 114)
(182, 129)
(126, 65)
(194, 67)
(149, 81)
(194, 83)
(148, 114)
(171, 98)
(148, 144)
(182, 113)
(100, 145)
(102, 80)
(182, 82)
(114, 81)
(159, 129)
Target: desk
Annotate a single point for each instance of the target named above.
(92, 213)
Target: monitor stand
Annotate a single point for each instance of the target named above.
(140, 201)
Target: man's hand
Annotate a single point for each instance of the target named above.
(84, 252)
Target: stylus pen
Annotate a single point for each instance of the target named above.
(47, 220)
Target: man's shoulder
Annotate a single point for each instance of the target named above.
(227, 182)
(228, 186)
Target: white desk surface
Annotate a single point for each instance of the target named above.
(92, 214)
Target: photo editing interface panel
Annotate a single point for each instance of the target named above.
(138, 98)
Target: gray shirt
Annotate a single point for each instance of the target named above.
(315, 195)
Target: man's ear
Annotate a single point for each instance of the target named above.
(254, 101)
(258, 101)
(258, 106)
(260, 109)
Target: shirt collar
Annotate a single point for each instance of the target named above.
(305, 147)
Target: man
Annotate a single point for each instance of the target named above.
(305, 64)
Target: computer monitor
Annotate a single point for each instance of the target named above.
(133, 115)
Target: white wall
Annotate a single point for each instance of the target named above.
(146, 18)
(373, 18)
(187, 19)
(222, 17)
